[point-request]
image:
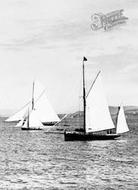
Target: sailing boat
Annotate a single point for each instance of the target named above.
(40, 104)
(31, 121)
(97, 117)
(122, 126)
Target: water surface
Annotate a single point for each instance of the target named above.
(36, 160)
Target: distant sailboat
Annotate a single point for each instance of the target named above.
(96, 114)
(40, 104)
(122, 126)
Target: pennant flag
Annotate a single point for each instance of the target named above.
(84, 59)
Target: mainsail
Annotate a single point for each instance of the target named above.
(45, 111)
(122, 126)
(98, 117)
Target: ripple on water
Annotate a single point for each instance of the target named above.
(44, 161)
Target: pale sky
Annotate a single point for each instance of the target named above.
(47, 39)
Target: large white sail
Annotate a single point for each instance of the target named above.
(98, 117)
(45, 111)
(122, 126)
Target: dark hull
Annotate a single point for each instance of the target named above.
(49, 124)
(30, 129)
(80, 136)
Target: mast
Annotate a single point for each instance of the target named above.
(28, 117)
(33, 96)
(117, 114)
(84, 96)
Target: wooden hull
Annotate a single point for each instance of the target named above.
(30, 129)
(80, 136)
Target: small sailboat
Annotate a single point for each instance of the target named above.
(31, 121)
(40, 104)
(121, 123)
(122, 126)
(96, 113)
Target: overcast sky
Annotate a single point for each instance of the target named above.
(46, 40)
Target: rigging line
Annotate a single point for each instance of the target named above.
(21, 108)
(62, 119)
(40, 95)
(93, 83)
(37, 98)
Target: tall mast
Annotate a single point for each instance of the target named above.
(117, 114)
(28, 117)
(84, 96)
(33, 97)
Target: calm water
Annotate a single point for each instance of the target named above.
(36, 160)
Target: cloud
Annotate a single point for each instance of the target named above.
(47, 39)
(30, 26)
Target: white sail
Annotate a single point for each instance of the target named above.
(98, 117)
(122, 126)
(45, 111)
(34, 121)
(38, 90)
(20, 114)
